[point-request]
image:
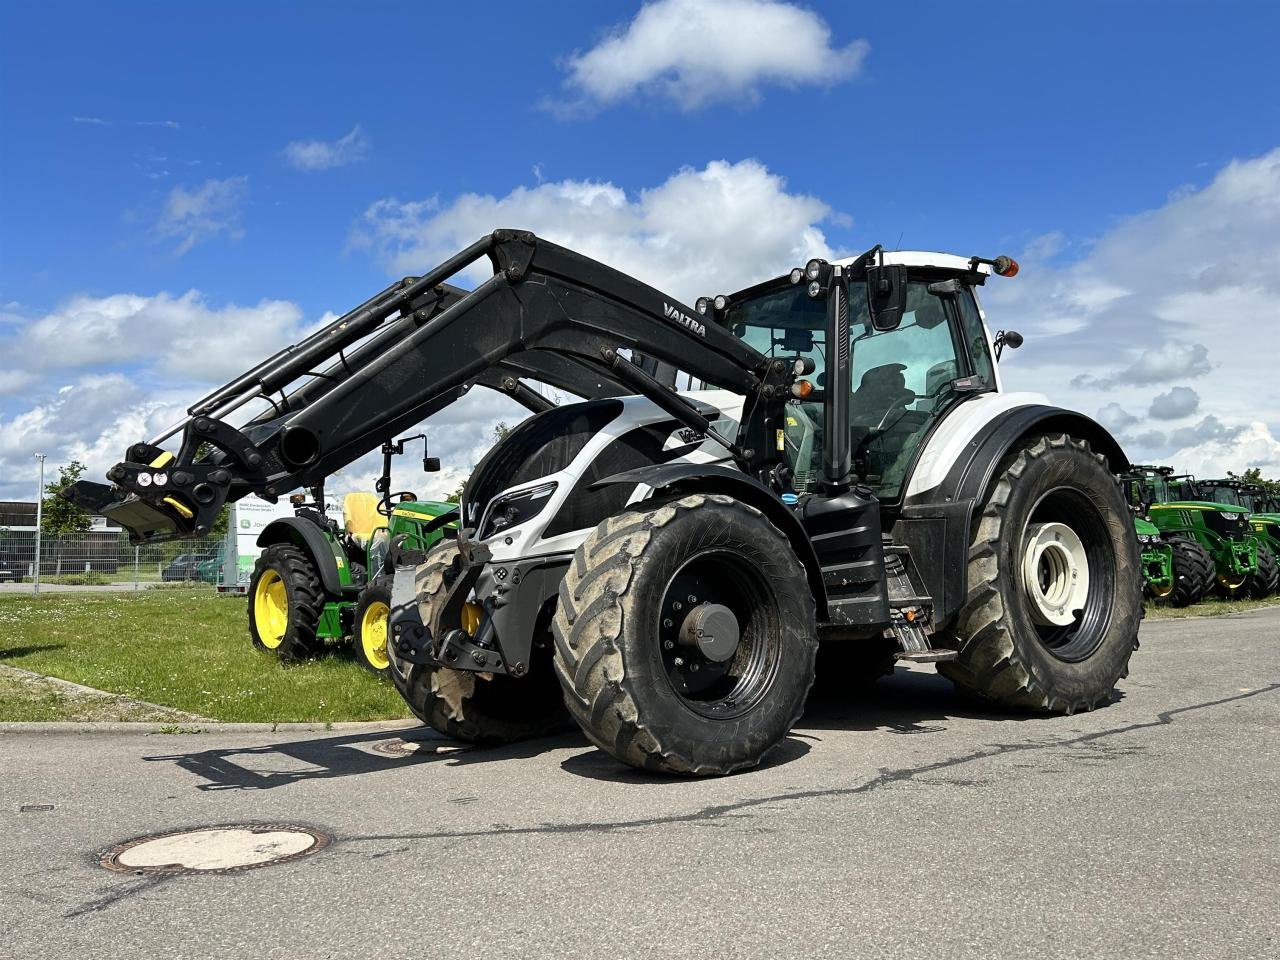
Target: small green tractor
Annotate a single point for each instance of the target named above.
(1172, 502)
(320, 581)
(1264, 518)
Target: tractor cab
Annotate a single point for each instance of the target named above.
(891, 342)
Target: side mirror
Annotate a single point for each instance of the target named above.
(887, 296)
(1007, 338)
(429, 464)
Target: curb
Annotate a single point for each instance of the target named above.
(213, 727)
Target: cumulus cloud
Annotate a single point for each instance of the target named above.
(728, 224)
(1168, 295)
(697, 52)
(1171, 360)
(192, 216)
(327, 154)
(1252, 446)
(182, 338)
(1116, 418)
(1175, 404)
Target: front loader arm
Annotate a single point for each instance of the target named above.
(417, 347)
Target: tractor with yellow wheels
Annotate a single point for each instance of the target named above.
(318, 581)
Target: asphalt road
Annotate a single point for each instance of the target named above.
(906, 825)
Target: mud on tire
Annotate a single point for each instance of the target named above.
(464, 704)
(285, 571)
(621, 667)
(1006, 655)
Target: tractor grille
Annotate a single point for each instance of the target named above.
(1231, 526)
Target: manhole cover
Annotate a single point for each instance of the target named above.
(223, 849)
(418, 748)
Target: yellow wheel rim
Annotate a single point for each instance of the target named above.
(271, 610)
(472, 612)
(373, 634)
(1163, 591)
(1233, 583)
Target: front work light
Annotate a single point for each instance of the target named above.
(720, 302)
(701, 304)
(813, 269)
(797, 275)
(815, 289)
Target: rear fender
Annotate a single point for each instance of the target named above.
(306, 536)
(937, 522)
(672, 479)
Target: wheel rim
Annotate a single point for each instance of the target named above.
(1233, 582)
(1163, 590)
(373, 634)
(1068, 570)
(271, 609)
(719, 635)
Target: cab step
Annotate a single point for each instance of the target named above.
(925, 656)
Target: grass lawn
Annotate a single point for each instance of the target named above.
(1208, 608)
(187, 649)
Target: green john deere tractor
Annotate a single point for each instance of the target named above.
(1157, 560)
(1172, 502)
(1264, 519)
(319, 581)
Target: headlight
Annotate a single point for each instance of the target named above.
(813, 269)
(797, 275)
(514, 508)
(815, 289)
(720, 302)
(1233, 517)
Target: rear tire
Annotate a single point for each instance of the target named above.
(643, 679)
(1192, 573)
(369, 638)
(1266, 581)
(285, 602)
(1008, 654)
(463, 704)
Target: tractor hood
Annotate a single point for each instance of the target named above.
(1199, 505)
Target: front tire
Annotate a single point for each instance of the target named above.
(1192, 573)
(285, 602)
(1266, 580)
(1055, 587)
(463, 704)
(685, 636)
(370, 635)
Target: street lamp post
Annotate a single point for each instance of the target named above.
(35, 582)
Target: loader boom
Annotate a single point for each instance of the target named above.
(546, 313)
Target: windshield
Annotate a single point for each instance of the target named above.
(901, 380)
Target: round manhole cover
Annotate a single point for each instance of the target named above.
(418, 748)
(219, 849)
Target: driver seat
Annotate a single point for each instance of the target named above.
(360, 516)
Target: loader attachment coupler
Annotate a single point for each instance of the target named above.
(547, 313)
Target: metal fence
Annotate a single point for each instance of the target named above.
(106, 559)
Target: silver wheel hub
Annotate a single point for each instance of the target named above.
(1055, 574)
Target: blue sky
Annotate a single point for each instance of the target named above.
(168, 169)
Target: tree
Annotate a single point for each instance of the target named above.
(63, 516)
(500, 431)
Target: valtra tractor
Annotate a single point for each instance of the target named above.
(1172, 503)
(663, 566)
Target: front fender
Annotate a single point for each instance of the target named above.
(307, 536)
(682, 478)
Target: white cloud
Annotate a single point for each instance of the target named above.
(1116, 418)
(193, 216)
(1175, 404)
(696, 52)
(327, 154)
(724, 226)
(1190, 290)
(1252, 446)
(176, 337)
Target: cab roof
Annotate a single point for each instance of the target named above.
(927, 258)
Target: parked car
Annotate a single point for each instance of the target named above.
(12, 570)
(184, 567)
